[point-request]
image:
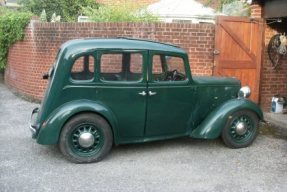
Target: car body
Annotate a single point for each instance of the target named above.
(116, 91)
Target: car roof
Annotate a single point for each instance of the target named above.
(74, 46)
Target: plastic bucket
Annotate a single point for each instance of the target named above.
(277, 105)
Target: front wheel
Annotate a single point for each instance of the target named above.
(240, 129)
(86, 138)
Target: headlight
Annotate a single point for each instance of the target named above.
(244, 92)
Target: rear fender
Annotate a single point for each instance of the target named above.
(51, 128)
(212, 125)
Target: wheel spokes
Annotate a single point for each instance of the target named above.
(97, 139)
(247, 125)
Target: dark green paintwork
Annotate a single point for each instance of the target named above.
(49, 134)
(213, 124)
(197, 107)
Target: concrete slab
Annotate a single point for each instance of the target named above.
(278, 122)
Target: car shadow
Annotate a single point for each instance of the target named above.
(179, 142)
(149, 148)
(165, 146)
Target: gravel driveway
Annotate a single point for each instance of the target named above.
(175, 165)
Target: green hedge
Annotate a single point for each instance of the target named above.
(12, 25)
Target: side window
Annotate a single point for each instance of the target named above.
(168, 68)
(121, 67)
(111, 64)
(83, 68)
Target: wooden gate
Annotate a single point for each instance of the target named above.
(238, 50)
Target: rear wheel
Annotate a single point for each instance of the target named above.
(240, 129)
(86, 138)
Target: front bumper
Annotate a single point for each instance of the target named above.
(33, 127)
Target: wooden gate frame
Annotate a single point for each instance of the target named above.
(260, 49)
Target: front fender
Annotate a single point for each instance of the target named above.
(212, 125)
(50, 130)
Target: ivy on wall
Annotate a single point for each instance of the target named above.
(12, 25)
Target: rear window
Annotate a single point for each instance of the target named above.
(83, 68)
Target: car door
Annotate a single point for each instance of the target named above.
(122, 89)
(170, 102)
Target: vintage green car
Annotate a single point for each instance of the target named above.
(116, 91)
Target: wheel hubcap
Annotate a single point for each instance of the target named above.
(86, 139)
(241, 128)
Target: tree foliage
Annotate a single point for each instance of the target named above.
(217, 4)
(12, 25)
(69, 10)
(224, 2)
(236, 8)
(128, 11)
(230, 7)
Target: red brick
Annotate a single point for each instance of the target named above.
(30, 58)
(272, 81)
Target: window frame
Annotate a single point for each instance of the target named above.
(144, 55)
(73, 59)
(172, 54)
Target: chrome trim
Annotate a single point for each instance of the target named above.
(33, 131)
(143, 93)
(151, 93)
(35, 110)
(244, 92)
(32, 126)
(241, 128)
(86, 139)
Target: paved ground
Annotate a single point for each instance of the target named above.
(175, 165)
(279, 120)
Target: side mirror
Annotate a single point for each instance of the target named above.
(45, 76)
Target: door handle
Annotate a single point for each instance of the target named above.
(143, 93)
(151, 93)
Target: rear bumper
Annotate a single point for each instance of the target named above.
(33, 127)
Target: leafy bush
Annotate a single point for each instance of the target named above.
(12, 25)
(125, 12)
(69, 10)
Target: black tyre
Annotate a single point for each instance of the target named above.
(240, 129)
(86, 138)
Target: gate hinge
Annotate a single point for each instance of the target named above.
(216, 52)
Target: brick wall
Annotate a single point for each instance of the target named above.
(273, 82)
(30, 58)
(256, 10)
